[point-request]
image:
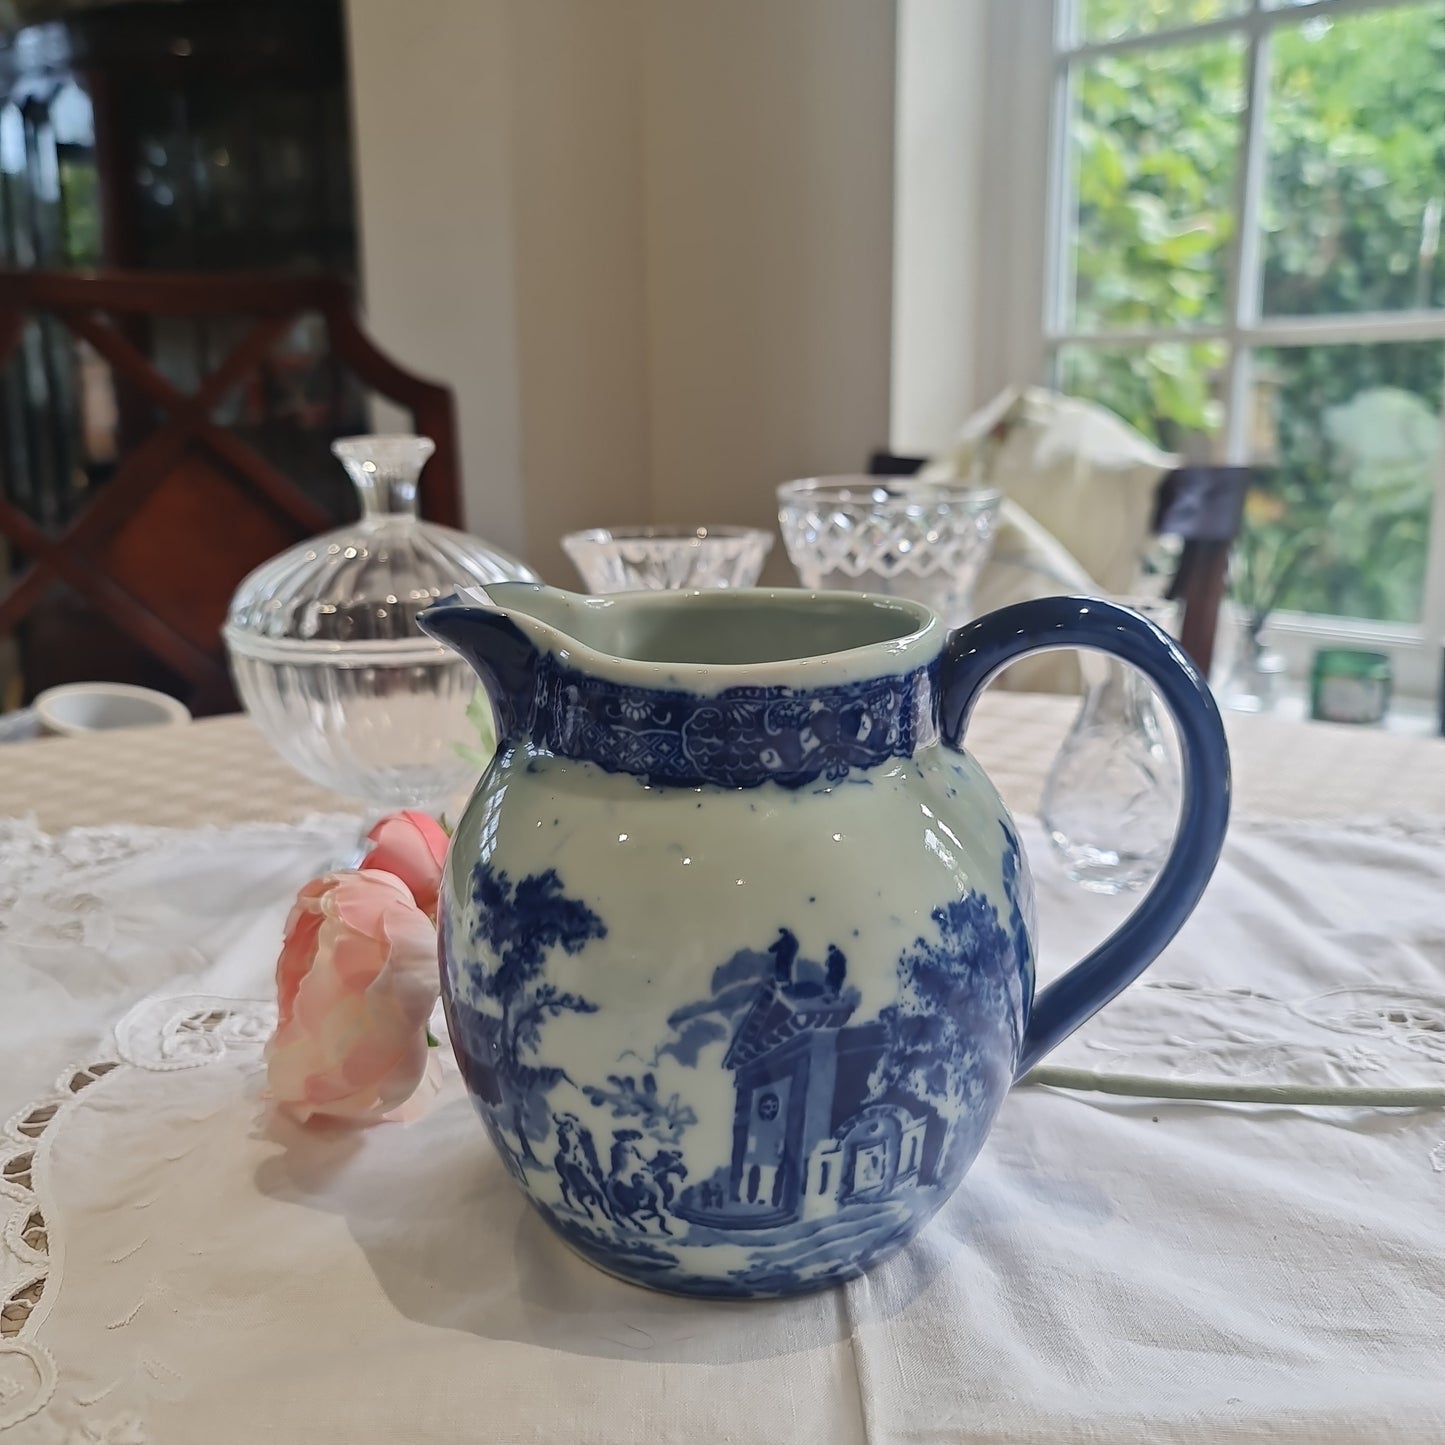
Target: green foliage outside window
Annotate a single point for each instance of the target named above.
(1354, 185)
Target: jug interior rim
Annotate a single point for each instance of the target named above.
(905, 634)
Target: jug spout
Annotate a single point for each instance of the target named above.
(502, 629)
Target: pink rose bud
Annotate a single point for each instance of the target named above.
(412, 846)
(355, 985)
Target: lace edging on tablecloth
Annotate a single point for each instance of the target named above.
(160, 1035)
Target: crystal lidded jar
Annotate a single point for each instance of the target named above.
(325, 649)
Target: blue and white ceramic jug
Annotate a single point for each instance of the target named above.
(737, 940)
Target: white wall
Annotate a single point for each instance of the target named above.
(431, 118)
(769, 237)
(939, 168)
(648, 242)
(973, 129)
(1013, 142)
(577, 146)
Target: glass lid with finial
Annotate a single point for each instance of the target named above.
(367, 581)
(328, 659)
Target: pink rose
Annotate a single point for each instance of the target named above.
(411, 846)
(355, 985)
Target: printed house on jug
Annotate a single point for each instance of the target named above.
(806, 1137)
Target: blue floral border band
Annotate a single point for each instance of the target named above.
(739, 738)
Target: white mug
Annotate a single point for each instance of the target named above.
(87, 707)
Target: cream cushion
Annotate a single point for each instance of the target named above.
(1079, 487)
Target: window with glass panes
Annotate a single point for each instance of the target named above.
(1245, 263)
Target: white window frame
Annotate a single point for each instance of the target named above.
(1036, 187)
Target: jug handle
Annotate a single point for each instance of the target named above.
(977, 652)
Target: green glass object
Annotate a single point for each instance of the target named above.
(1347, 686)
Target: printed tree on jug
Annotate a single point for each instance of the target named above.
(520, 924)
(955, 989)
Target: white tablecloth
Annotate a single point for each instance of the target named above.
(1111, 1270)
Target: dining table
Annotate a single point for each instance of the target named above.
(1217, 1215)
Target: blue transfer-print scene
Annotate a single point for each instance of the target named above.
(499, 1049)
(846, 1133)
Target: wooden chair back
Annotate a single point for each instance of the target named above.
(1203, 507)
(147, 499)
